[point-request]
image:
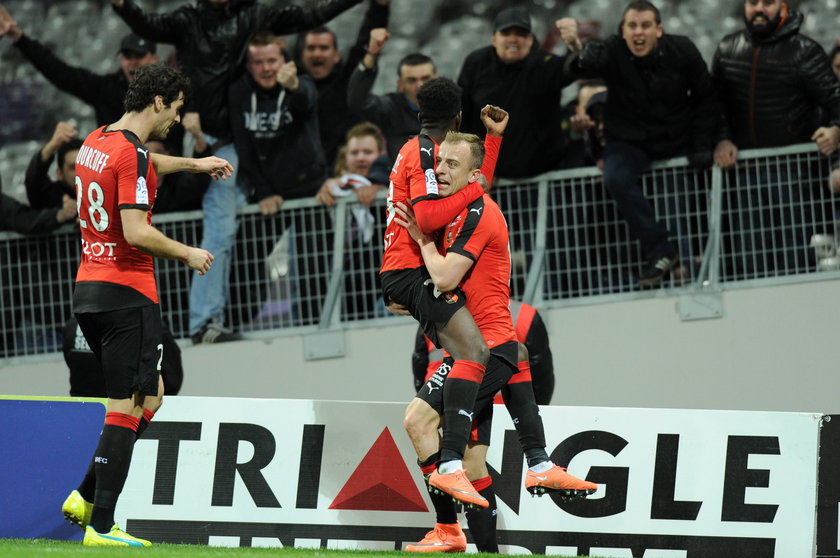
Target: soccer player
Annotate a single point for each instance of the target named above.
(115, 300)
(476, 257)
(406, 282)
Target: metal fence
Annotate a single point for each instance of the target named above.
(769, 220)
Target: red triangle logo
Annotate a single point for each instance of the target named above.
(381, 482)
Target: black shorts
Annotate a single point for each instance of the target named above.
(129, 345)
(501, 366)
(414, 289)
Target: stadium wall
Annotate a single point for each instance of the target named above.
(774, 349)
(263, 472)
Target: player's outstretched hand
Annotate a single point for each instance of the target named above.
(216, 167)
(199, 260)
(495, 119)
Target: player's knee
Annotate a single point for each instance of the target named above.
(419, 424)
(482, 354)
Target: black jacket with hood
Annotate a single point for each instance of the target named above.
(212, 43)
(776, 90)
(275, 132)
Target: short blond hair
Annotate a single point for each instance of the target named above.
(473, 141)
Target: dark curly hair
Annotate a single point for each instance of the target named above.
(439, 100)
(72, 145)
(153, 80)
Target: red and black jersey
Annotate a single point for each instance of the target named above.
(413, 182)
(113, 172)
(481, 234)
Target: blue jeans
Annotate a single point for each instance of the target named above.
(209, 292)
(623, 166)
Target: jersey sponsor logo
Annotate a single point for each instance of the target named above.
(99, 249)
(143, 152)
(431, 182)
(427, 150)
(142, 191)
(477, 210)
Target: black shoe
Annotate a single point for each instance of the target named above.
(656, 269)
(214, 332)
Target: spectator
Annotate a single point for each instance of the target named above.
(530, 331)
(516, 75)
(321, 59)
(273, 114)
(834, 56)
(63, 147)
(362, 155)
(577, 125)
(396, 112)
(661, 105)
(14, 216)
(364, 171)
(760, 108)
(211, 41)
(777, 88)
(86, 376)
(103, 92)
(274, 120)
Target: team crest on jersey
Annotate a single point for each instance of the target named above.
(142, 191)
(431, 182)
(450, 297)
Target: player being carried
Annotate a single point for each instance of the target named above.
(472, 254)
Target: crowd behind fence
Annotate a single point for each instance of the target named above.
(310, 267)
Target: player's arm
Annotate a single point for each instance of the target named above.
(495, 120)
(433, 213)
(143, 236)
(446, 271)
(214, 166)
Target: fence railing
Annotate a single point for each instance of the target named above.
(312, 268)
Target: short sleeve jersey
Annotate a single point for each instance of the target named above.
(480, 233)
(408, 183)
(113, 172)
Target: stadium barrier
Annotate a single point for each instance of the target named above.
(312, 269)
(342, 475)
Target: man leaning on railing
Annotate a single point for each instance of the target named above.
(776, 88)
(660, 105)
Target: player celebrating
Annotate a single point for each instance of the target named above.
(115, 300)
(406, 282)
(477, 258)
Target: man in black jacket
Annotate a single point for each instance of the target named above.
(14, 216)
(396, 112)
(660, 105)
(41, 191)
(514, 74)
(321, 60)
(103, 92)
(273, 117)
(775, 84)
(211, 39)
(777, 88)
